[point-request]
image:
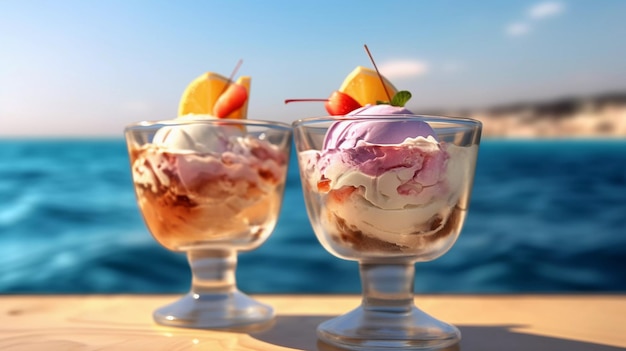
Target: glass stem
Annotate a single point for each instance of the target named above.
(213, 271)
(387, 287)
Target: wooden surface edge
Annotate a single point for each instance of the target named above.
(124, 321)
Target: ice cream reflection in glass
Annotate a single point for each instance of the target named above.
(388, 189)
(210, 188)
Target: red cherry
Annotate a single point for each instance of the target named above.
(337, 104)
(232, 99)
(341, 104)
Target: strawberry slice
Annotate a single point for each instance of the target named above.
(231, 100)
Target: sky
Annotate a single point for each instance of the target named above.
(89, 68)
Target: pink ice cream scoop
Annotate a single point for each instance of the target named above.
(346, 134)
(384, 151)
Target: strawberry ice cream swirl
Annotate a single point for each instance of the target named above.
(247, 159)
(389, 177)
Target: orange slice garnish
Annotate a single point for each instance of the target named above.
(202, 93)
(365, 86)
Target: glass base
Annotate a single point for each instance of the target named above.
(224, 310)
(363, 329)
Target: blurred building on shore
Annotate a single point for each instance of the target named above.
(598, 116)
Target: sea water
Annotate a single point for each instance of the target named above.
(545, 217)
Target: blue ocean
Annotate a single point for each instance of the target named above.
(545, 217)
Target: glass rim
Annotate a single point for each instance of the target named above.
(210, 121)
(398, 117)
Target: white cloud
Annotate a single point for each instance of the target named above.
(403, 68)
(517, 29)
(538, 12)
(545, 10)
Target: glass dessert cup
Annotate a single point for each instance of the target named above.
(210, 188)
(360, 210)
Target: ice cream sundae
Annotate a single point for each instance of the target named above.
(210, 183)
(387, 184)
(386, 188)
(201, 180)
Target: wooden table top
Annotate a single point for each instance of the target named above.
(487, 322)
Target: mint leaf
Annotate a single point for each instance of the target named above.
(381, 102)
(401, 98)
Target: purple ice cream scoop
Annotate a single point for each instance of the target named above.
(346, 134)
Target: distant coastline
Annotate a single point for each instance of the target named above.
(598, 116)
